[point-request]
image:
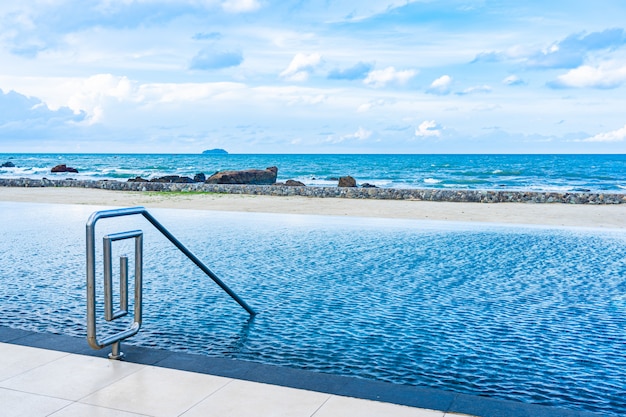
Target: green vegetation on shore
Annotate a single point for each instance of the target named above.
(181, 193)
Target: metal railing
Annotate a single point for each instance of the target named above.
(109, 314)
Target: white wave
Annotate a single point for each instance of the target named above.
(379, 183)
(20, 172)
(431, 181)
(316, 181)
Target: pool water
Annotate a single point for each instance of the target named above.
(525, 313)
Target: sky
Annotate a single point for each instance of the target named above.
(289, 76)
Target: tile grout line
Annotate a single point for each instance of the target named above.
(322, 405)
(99, 407)
(69, 402)
(140, 368)
(36, 367)
(230, 381)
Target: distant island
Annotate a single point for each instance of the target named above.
(215, 152)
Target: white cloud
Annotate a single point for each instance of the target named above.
(441, 85)
(360, 134)
(475, 89)
(93, 91)
(307, 99)
(380, 78)
(350, 11)
(364, 107)
(187, 92)
(291, 95)
(370, 104)
(586, 76)
(300, 66)
(240, 6)
(513, 80)
(618, 135)
(100, 94)
(298, 76)
(428, 128)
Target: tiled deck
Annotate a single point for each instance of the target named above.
(60, 376)
(39, 382)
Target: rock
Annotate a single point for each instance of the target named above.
(63, 168)
(294, 183)
(368, 185)
(176, 179)
(8, 165)
(250, 176)
(171, 179)
(347, 181)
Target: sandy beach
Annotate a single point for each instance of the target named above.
(605, 216)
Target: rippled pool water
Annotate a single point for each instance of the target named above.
(524, 313)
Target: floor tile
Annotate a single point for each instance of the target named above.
(157, 392)
(71, 377)
(344, 406)
(82, 410)
(22, 404)
(243, 398)
(38, 382)
(15, 359)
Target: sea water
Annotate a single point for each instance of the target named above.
(533, 314)
(561, 173)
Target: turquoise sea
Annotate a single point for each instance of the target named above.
(560, 173)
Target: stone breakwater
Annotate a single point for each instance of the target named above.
(473, 196)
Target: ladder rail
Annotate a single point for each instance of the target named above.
(91, 275)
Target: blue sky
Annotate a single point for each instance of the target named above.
(260, 76)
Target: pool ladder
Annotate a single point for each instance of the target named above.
(109, 313)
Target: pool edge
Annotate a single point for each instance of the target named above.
(412, 396)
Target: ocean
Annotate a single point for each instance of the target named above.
(554, 173)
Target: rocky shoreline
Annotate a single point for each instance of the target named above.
(477, 196)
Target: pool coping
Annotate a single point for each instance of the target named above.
(413, 396)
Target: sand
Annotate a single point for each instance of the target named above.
(574, 215)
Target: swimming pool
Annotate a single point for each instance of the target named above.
(526, 313)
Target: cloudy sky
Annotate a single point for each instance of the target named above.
(289, 76)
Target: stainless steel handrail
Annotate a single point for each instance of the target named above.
(91, 276)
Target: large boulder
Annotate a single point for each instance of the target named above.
(347, 181)
(249, 176)
(176, 179)
(290, 183)
(294, 183)
(63, 168)
(8, 165)
(138, 179)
